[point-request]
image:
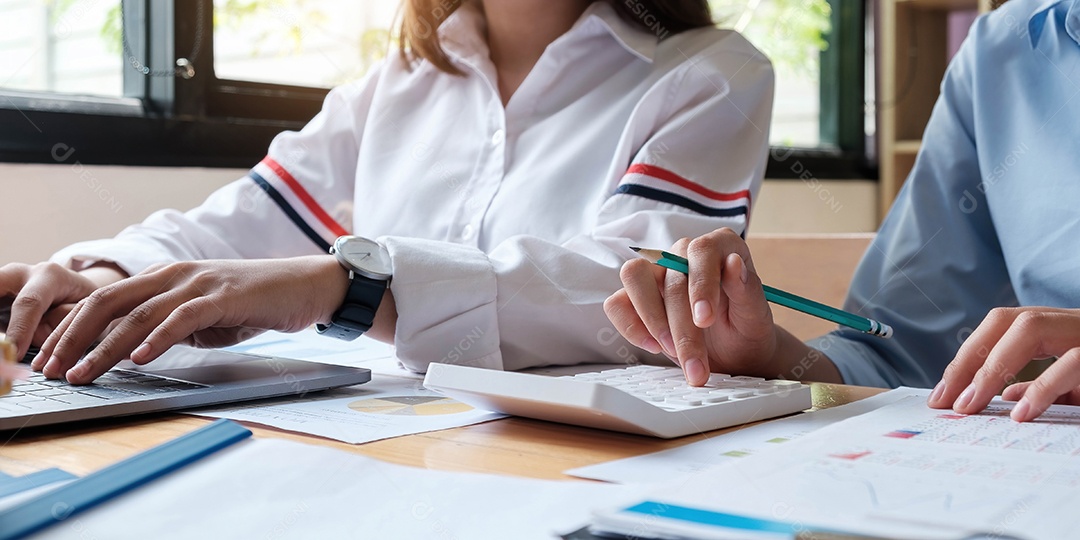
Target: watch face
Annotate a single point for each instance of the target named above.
(365, 256)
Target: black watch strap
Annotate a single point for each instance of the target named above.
(357, 313)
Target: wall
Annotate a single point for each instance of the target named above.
(46, 207)
(816, 206)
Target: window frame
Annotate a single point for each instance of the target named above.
(209, 122)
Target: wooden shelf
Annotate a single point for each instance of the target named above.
(907, 146)
(944, 5)
(912, 45)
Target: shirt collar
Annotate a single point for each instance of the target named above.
(1041, 17)
(462, 33)
(635, 39)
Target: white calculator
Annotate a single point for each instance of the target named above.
(647, 400)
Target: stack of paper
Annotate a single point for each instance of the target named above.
(719, 450)
(382, 408)
(281, 489)
(902, 471)
(394, 403)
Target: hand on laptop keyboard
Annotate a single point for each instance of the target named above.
(211, 303)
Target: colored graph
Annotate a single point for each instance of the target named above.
(409, 406)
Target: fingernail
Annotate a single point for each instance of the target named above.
(965, 398)
(1021, 410)
(52, 361)
(745, 274)
(76, 371)
(702, 311)
(936, 394)
(650, 345)
(142, 350)
(694, 369)
(668, 343)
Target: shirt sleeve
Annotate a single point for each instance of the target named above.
(292, 203)
(698, 161)
(936, 267)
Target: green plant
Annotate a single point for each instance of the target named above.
(790, 32)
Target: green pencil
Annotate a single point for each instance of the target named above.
(777, 296)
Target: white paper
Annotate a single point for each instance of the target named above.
(383, 408)
(906, 471)
(718, 450)
(270, 488)
(308, 345)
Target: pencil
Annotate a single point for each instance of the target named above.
(783, 298)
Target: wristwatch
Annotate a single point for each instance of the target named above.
(370, 270)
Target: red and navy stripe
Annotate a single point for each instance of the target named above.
(661, 185)
(319, 226)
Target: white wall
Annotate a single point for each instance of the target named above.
(46, 207)
(815, 206)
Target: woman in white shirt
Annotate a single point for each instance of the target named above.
(505, 162)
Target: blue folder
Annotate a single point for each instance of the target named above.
(82, 494)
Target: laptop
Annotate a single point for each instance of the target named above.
(182, 378)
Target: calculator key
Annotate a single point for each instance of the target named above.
(717, 378)
(685, 402)
(644, 368)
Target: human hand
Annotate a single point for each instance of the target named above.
(34, 299)
(200, 303)
(715, 319)
(1006, 341)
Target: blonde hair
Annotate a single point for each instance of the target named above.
(419, 32)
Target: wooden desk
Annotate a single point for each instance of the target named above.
(512, 446)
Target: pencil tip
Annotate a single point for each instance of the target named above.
(636, 249)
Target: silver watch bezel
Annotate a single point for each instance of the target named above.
(341, 253)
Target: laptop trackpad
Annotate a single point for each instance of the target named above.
(214, 367)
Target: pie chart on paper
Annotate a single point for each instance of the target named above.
(410, 406)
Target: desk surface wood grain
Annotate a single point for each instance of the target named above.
(512, 446)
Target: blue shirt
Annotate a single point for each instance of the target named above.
(990, 215)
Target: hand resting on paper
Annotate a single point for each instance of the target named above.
(1006, 341)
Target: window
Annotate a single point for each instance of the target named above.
(251, 68)
(61, 46)
(321, 43)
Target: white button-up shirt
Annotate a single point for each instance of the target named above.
(506, 225)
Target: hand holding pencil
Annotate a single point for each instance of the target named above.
(711, 312)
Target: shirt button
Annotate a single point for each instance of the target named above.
(467, 232)
(498, 137)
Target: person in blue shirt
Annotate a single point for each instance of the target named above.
(978, 261)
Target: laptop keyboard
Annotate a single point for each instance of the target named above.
(40, 393)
